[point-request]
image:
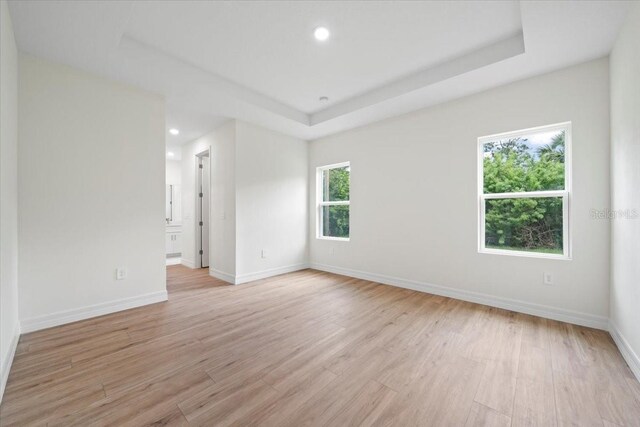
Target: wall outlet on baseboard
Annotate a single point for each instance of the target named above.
(121, 273)
(547, 279)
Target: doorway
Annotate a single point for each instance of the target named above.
(202, 209)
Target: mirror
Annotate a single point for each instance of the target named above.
(173, 211)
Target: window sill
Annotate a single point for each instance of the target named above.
(524, 254)
(337, 239)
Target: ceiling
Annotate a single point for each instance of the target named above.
(191, 124)
(259, 62)
(269, 47)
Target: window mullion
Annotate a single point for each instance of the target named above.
(524, 194)
(335, 203)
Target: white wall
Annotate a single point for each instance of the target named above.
(414, 202)
(271, 202)
(222, 244)
(625, 185)
(173, 174)
(91, 165)
(9, 325)
(258, 201)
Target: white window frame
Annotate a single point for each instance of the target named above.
(320, 203)
(565, 194)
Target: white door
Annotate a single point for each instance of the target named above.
(203, 199)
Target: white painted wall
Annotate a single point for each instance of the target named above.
(222, 243)
(173, 174)
(625, 188)
(259, 181)
(414, 202)
(91, 165)
(9, 325)
(271, 202)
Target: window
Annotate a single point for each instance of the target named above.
(523, 191)
(333, 201)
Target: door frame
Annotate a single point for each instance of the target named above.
(197, 228)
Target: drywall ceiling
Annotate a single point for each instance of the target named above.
(190, 123)
(269, 46)
(259, 62)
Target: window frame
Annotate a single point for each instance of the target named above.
(565, 194)
(320, 203)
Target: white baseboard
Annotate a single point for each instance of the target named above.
(73, 315)
(555, 313)
(187, 263)
(257, 275)
(225, 277)
(630, 356)
(8, 360)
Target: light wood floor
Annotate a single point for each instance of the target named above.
(312, 348)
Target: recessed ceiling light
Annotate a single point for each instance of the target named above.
(321, 34)
(169, 153)
(323, 99)
(174, 131)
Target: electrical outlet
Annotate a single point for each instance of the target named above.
(121, 273)
(547, 278)
(263, 254)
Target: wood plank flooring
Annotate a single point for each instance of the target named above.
(310, 349)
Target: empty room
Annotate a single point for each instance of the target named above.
(319, 213)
